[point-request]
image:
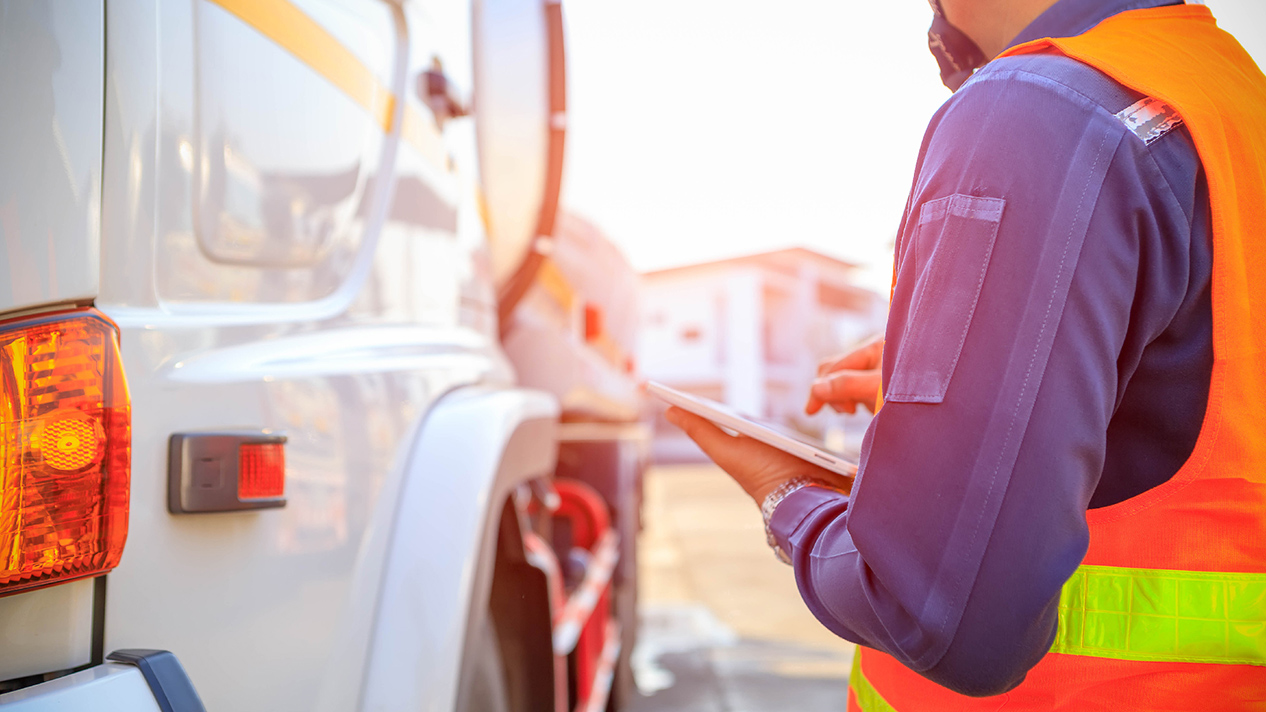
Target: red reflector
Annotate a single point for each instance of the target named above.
(65, 449)
(594, 327)
(261, 471)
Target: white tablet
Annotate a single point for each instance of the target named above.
(784, 439)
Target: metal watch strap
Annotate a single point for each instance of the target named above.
(773, 499)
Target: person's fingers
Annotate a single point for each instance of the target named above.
(816, 404)
(746, 460)
(864, 357)
(824, 366)
(843, 388)
(690, 423)
(813, 405)
(853, 361)
(712, 440)
(874, 352)
(756, 467)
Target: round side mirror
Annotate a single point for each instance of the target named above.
(520, 120)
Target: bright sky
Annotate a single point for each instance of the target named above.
(702, 129)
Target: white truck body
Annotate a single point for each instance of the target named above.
(288, 238)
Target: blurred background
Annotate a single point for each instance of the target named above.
(752, 162)
(704, 130)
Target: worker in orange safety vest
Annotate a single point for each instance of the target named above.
(1061, 504)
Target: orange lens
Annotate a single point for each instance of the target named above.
(261, 471)
(65, 449)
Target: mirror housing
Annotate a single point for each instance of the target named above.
(520, 103)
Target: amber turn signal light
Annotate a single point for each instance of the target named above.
(65, 449)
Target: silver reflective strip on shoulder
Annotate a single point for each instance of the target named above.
(1150, 119)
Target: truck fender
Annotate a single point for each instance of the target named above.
(475, 446)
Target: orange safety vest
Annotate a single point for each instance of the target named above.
(1168, 609)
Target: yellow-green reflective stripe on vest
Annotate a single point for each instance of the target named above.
(1162, 615)
(1147, 615)
(868, 698)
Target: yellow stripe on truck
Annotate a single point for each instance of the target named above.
(297, 33)
(292, 30)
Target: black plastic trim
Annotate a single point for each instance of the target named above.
(172, 688)
(98, 620)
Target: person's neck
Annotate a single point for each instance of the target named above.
(992, 24)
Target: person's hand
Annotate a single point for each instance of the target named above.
(847, 380)
(757, 467)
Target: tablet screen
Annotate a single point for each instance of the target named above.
(780, 429)
(781, 437)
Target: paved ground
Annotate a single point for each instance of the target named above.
(723, 628)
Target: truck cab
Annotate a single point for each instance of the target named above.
(265, 443)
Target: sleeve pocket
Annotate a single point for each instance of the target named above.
(954, 239)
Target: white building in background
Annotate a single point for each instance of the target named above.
(749, 332)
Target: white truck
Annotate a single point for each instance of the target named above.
(306, 402)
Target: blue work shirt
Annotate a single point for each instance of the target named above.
(1049, 350)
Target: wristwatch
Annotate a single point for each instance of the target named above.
(773, 499)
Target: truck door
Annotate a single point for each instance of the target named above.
(250, 158)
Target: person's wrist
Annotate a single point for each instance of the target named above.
(775, 497)
(759, 491)
(762, 492)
